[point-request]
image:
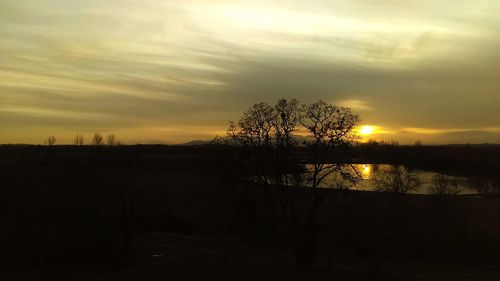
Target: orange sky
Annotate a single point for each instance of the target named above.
(154, 71)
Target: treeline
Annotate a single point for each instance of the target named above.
(461, 160)
(482, 160)
(123, 156)
(97, 139)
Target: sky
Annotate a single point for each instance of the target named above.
(165, 71)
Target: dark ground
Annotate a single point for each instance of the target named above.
(168, 213)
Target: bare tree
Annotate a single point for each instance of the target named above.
(484, 185)
(445, 186)
(97, 139)
(50, 141)
(397, 180)
(330, 127)
(285, 120)
(256, 125)
(446, 190)
(254, 133)
(267, 134)
(78, 140)
(111, 140)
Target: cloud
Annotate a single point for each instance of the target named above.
(356, 105)
(440, 136)
(113, 65)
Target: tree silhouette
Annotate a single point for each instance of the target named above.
(97, 139)
(78, 140)
(50, 141)
(446, 190)
(445, 186)
(397, 180)
(266, 134)
(330, 127)
(111, 140)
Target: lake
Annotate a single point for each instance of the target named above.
(369, 173)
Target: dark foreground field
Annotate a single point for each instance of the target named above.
(156, 213)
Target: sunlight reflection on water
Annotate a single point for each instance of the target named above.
(369, 172)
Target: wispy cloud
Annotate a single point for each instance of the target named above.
(193, 65)
(358, 105)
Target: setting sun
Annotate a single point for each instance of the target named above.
(366, 130)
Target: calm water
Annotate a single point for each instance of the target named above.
(370, 171)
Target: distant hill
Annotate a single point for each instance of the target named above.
(194, 142)
(298, 138)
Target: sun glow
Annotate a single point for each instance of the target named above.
(366, 130)
(366, 171)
